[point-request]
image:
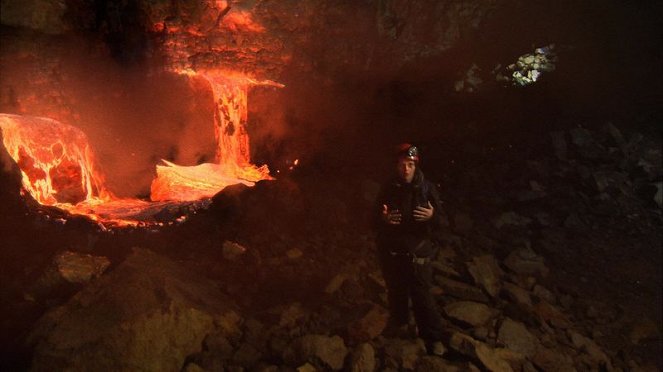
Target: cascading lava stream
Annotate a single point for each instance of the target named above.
(58, 166)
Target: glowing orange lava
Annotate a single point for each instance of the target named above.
(58, 167)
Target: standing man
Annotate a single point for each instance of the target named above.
(409, 214)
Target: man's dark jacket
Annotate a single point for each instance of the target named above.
(409, 237)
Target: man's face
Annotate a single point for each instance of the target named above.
(406, 168)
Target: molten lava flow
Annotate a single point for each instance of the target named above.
(58, 166)
(233, 162)
(56, 162)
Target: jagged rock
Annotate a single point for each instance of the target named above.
(468, 346)
(404, 353)
(231, 250)
(80, 268)
(67, 271)
(461, 290)
(446, 270)
(468, 312)
(551, 315)
(370, 325)
(487, 273)
(595, 353)
(363, 358)
(516, 337)
(526, 262)
(149, 313)
(516, 294)
(320, 350)
(549, 360)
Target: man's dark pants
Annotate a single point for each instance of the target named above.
(406, 279)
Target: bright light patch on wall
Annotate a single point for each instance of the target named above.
(529, 67)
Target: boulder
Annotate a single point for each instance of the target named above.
(363, 358)
(516, 337)
(487, 273)
(468, 312)
(319, 350)
(68, 271)
(147, 314)
(461, 290)
(404, 354)
(549, 360)
(516, 294)
(551, 315)
(370, 325)
(478, 350)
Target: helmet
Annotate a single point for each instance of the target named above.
(408, 151)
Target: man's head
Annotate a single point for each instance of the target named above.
(408, 158)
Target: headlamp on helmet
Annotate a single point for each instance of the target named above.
(408, 151)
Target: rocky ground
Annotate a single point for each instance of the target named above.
(549, 263)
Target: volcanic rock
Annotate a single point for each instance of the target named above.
(549, 360)
(478, 350)
(404, 354)
(149, 314)
(320, 350)
(487, 273)
(516, 294)
(67, 272)
(468, 312)
(370, 325)
(461, 290)
(516, 337)
(363, 358)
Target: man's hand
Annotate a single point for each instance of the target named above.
(392, 217)
(422, 214)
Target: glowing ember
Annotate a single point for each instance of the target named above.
(58, 166)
